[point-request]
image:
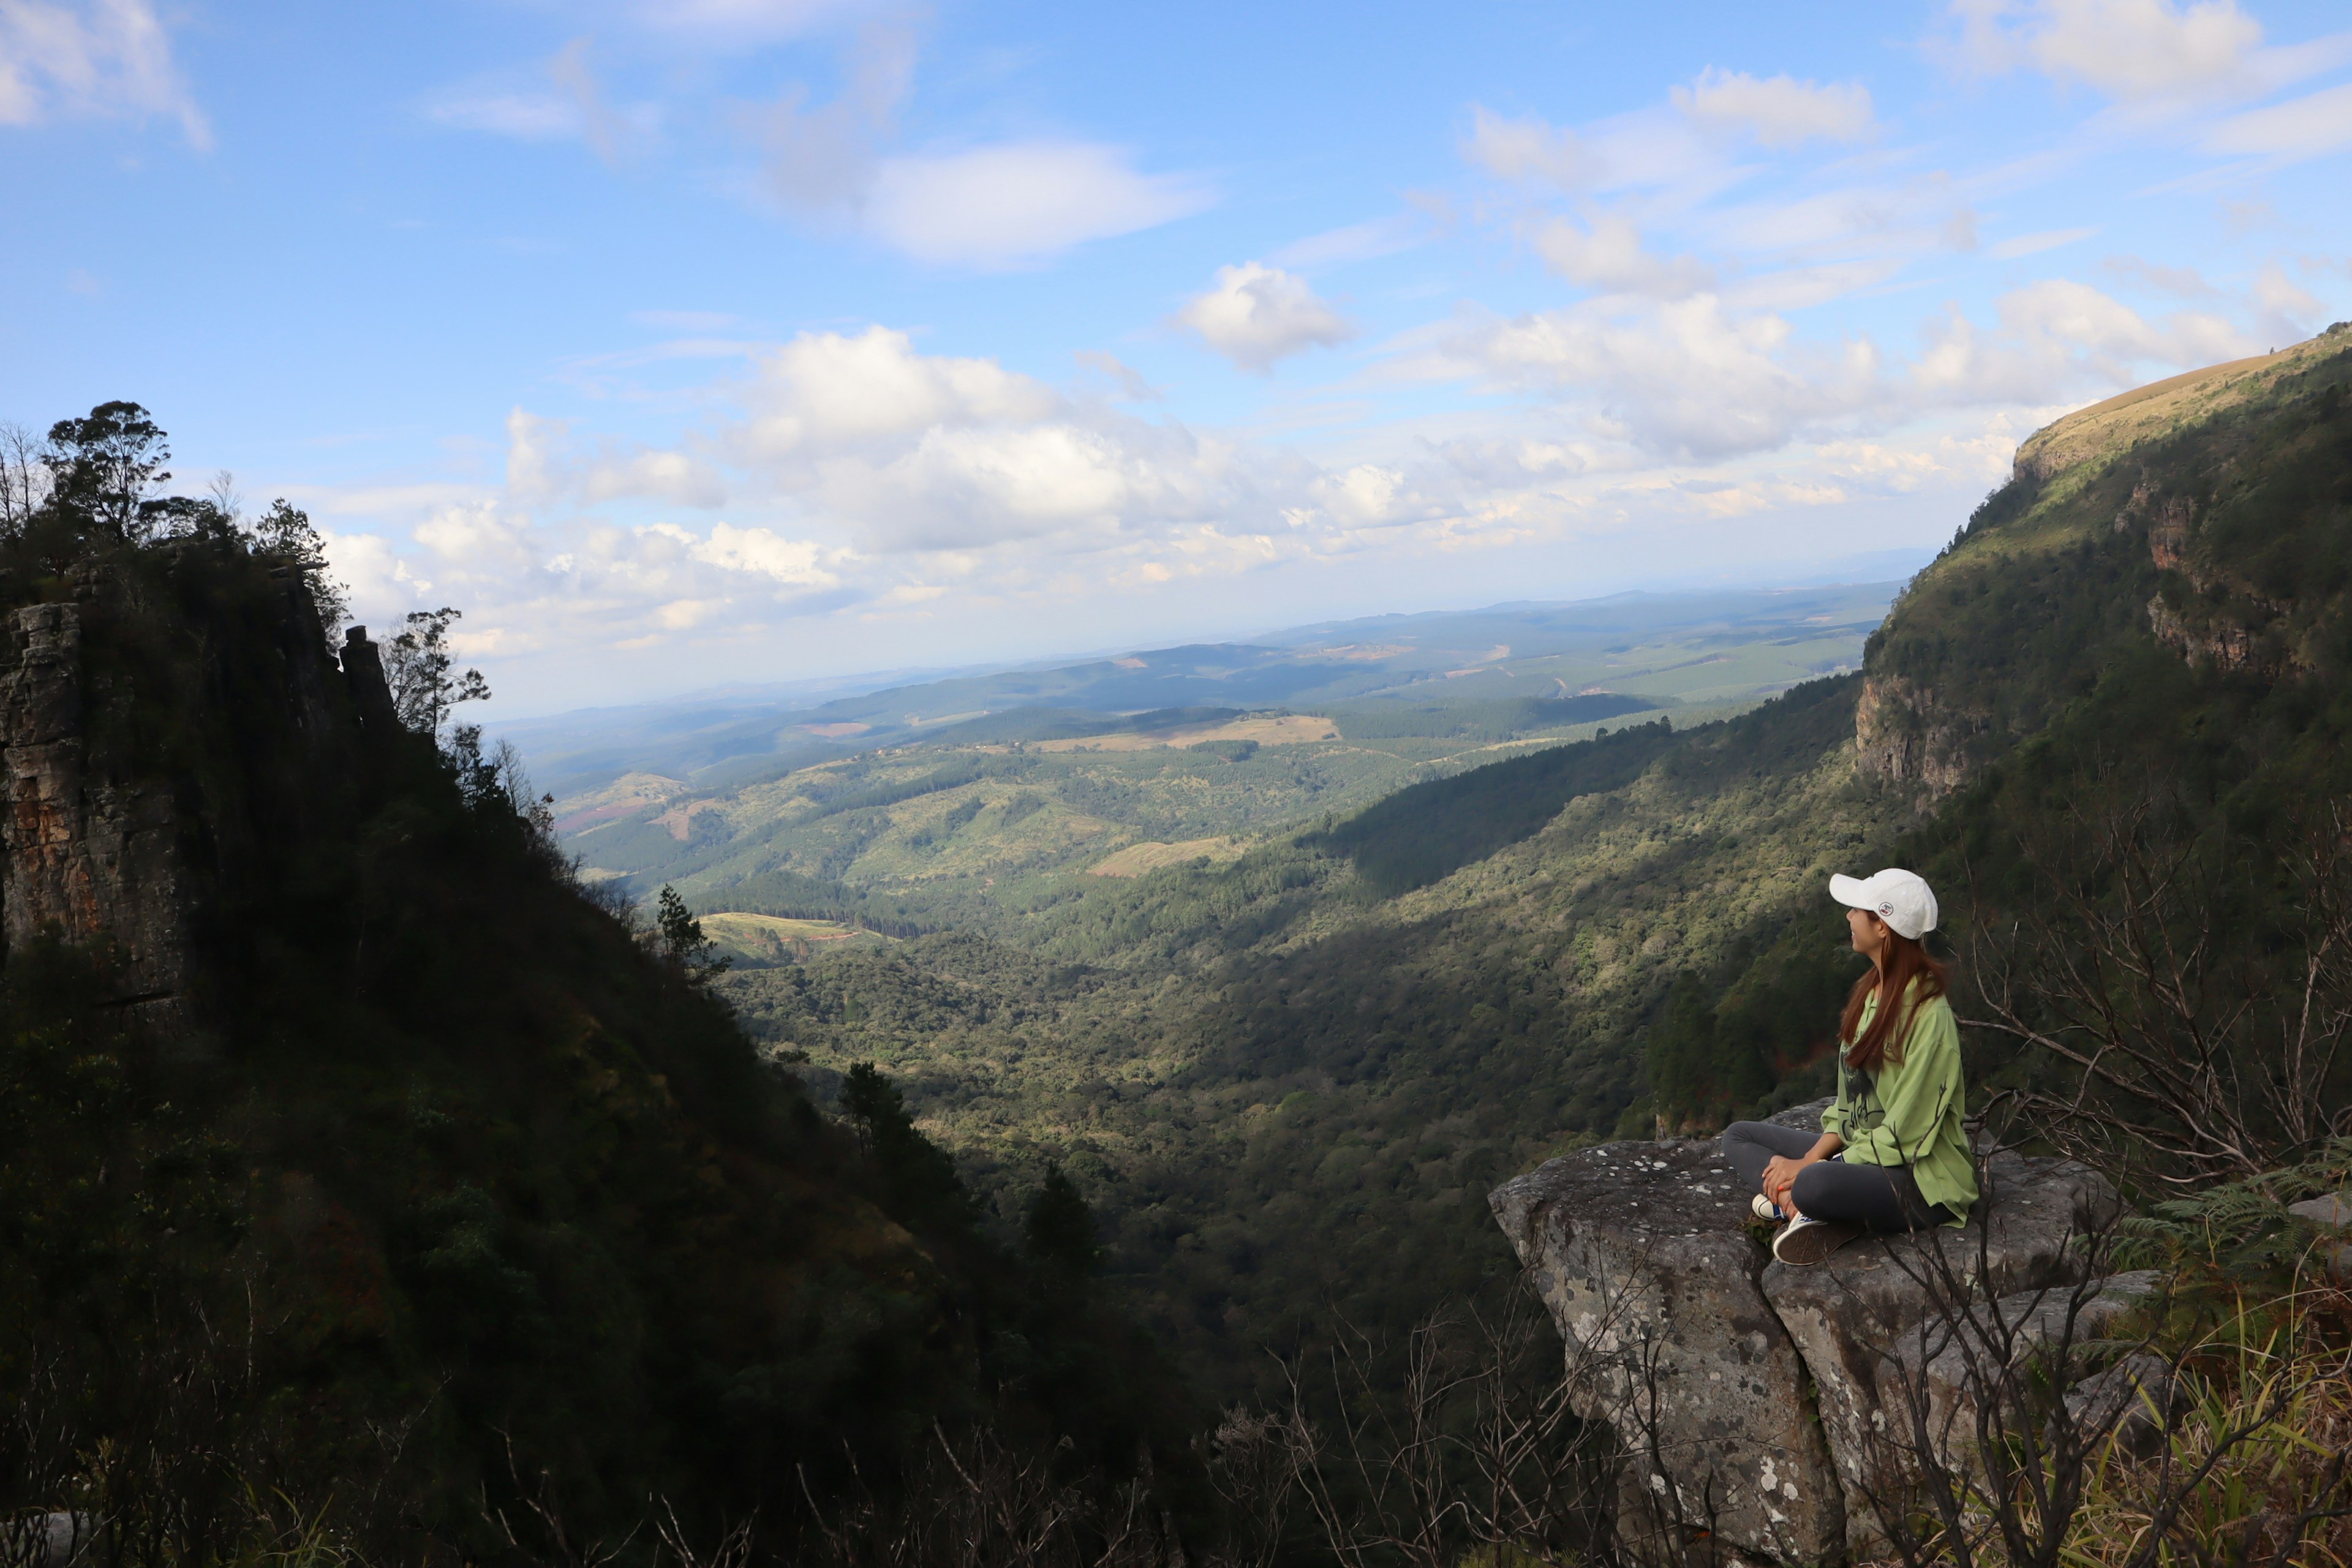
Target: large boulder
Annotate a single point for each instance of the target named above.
(1752, 1399)
(1844, 1316)
(1940, 1374)
(1643, 1253)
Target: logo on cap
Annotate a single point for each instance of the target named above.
(1886, 908)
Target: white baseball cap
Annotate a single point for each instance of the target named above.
(1902, 899)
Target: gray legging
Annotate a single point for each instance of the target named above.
(1875, 1197)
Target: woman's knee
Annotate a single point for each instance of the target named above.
(1817, 1191)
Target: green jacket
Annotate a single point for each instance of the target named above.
(1908, 1113)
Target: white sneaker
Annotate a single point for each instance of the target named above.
(1803, 1240)
(1765, 1209)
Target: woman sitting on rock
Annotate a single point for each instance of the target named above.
(1892, 1154)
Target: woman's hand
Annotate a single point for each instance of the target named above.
(1780, 1176)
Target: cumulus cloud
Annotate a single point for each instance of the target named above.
(96, 59)
(1779, 111)
(2132, 50)
(991, 207)
(544, 464)
(1609, 255)
(1016, 203)
(757, 551)
(824, 393)
(1695, 378)
(1257, 314)
(1685, 378)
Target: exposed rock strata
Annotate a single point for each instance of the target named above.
(87, 856)
(1903, 734)
(1743, 1391)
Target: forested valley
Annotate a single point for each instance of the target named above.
(390, 1178)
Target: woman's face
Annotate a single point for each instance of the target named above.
(1869, 933)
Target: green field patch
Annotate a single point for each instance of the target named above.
(777, 938)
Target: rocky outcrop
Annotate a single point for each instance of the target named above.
(1632, 1245)
(115, 848)
(1903, 735)
(1944, 1373)
(1750, 1399)
(87, 856)
(363, 670)
(1842, 1315)
(2222, 623)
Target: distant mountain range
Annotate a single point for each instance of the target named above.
(1665, 648)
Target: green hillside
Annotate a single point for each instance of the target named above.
(1289, 1078)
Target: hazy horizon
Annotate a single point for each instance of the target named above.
(499, 715)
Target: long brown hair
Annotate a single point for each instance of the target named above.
(1905, 961)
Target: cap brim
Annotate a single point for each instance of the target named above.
(1853, 892)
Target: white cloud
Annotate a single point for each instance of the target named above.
(1016, 203)
(824, 393)
(383, 588)
(102, 59)
(543, 465)
(479, 536)
(759, 552)
(1779, 111)
(2135, 50)
(1694, 378)
(1609, 257)
(1684, 377)
(1528, 150)
(1257, 314)
(2301, 127)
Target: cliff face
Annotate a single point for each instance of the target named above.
(111, 842)
(2165, 512)
(1903, 735)
(88, 856)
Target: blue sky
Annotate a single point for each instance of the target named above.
(690, 342)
